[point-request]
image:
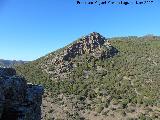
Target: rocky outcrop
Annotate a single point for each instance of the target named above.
(18, 100)
(94, 46)
(87, 44)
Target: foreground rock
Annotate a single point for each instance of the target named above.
(18, 100)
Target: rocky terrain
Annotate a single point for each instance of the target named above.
(95, 78)
(18, 100)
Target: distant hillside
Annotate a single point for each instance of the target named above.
(9, 63)
(96, 78)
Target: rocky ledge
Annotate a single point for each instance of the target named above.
(18, 100)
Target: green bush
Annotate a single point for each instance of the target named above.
(99, 109)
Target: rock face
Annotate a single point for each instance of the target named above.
(87, 44)
(18, 100)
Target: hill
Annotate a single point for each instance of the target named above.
(96, 78)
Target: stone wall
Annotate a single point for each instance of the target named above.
(18, 100)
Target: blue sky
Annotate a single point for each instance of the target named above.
(30, 29)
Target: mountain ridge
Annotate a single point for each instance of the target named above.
(10, 63)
